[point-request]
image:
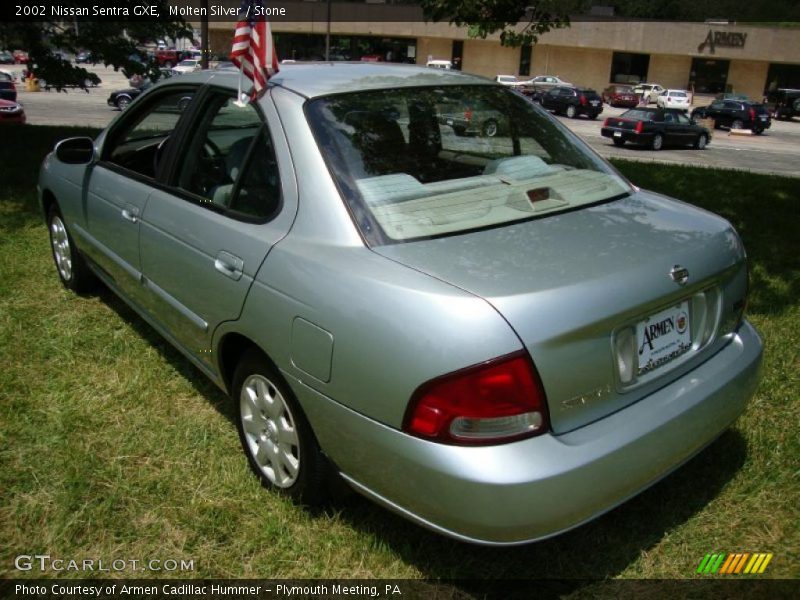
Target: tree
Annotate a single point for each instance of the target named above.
(110, 42)
(520, 22)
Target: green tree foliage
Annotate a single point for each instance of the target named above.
(519, 22)
(700, 10)
(110, 43)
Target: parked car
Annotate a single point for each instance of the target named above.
(573, 102)
(187, 66)
(678, 99)
(732, 96)
(6, 58)
(439, 64)
(20, 57)
(508, 80)
(783, 103)
(655, 127)
(468, 116)
(8, 90)
(11, 112)
(500, 339)
(168, 58)
(227, 65)
(648, 92)
(544, 83)
(735, 114)
(85, 58)
(620, 95)
(122, 98)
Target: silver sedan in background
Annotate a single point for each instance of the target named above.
(497, 337)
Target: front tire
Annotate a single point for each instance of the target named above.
(276, 438)
(123, 102)
(72, 269)
(571, 112)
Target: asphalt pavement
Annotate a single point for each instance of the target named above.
(776, 151)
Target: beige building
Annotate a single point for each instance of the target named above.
(707, 58)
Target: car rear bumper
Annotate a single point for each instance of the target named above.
(539, 487)
(627, 135)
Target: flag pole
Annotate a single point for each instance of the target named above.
(238, 102)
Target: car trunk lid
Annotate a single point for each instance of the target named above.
(569, 283)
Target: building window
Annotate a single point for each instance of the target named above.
(709, 76)
(525, 60)
(782, 76)
(458, 54)
(627, 67)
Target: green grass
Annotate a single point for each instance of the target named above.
(113, 446)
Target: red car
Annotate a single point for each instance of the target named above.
(620, 95)
(20, 57)
(11, 112)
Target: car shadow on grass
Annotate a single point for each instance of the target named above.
(599, 550)
(198, 380)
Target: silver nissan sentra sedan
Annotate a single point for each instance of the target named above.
(497, 337)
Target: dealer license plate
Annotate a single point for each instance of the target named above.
(595, 102)
(617, 134)
(663, 337)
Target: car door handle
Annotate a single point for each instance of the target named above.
(131, 213)
(229, 265)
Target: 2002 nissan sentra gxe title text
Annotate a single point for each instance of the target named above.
(486, 329)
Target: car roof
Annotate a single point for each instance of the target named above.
(313, 79)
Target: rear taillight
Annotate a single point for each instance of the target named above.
(752, 114)
(13, 87)
(468, 114)
(639, 127)
(605, 123)
(494, 402)
(583, 100)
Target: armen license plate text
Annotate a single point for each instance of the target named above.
(663, 337)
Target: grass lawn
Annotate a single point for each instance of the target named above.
(113, 446)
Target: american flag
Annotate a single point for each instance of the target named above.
(253, 50)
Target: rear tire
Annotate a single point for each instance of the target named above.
(700, 142)
(71, 267)
(490, 128)
(276, 438)
(571, 112)
(737, 124)
(658, 142)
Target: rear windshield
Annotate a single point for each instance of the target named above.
(417, 163)
(678, 94)
(640, 115)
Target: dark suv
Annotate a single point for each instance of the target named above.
(784, 103)
(573, 101)
(735, 114)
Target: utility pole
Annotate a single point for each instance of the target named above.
(204, 34)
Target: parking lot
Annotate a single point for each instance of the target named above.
(777, 151)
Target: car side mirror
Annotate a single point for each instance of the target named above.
(75, 151)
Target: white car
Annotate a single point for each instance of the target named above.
(439, 64)
(674, 99)
(190, 65)
(508, 80)
(649, 92)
